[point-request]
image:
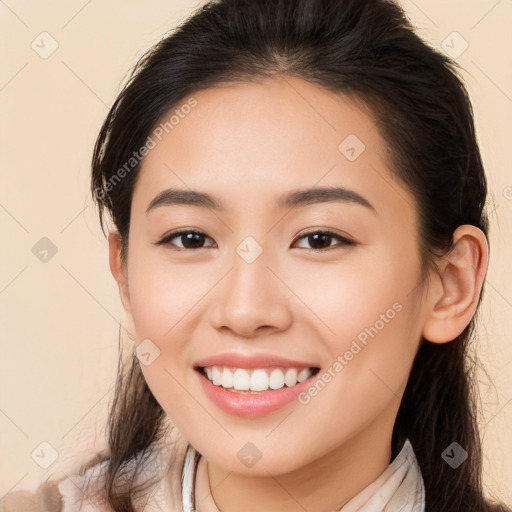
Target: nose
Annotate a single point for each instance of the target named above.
(251, 299)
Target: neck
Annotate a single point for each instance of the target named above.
(325, 484)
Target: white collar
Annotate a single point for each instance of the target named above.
(399, 488)
(173, 463)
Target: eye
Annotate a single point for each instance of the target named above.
(323, 238)
(191, 239)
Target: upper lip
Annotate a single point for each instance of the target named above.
(251, 361)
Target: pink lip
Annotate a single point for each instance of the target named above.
(254, 361)
(251, 405)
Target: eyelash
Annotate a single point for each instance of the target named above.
(344, 241)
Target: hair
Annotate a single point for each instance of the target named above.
(368, 51)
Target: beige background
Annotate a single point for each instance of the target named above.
(59, 319)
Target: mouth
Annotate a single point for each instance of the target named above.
(256, 380)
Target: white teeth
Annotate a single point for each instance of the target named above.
(276, 380)
(303, 375)
(216, 376)
(259, 379)
(227, 379)
(241, 380)
(290, 377)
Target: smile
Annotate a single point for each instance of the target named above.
(264, 390)
(257, 379)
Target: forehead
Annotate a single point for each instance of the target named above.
(266, 120)
(244, 141)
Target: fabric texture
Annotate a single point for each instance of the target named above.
(46, 498)
(169, 475)
(400, 488)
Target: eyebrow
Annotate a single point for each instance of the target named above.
(294, 199)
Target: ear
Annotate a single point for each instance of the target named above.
(454, 291)
(120, 275)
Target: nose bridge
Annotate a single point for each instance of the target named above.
(249, 272)
(250, 250)
(249, 298)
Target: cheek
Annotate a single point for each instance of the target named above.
(367, 372)
(162, 305)
(162, 296)
(369, 322)
(346, 297)
(371, 368)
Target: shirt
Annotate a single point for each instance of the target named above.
(399, 488)
(174, 463)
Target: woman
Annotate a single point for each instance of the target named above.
(271, 371)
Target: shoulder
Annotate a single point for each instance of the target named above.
(84, 490)
(80, 491)
(73, 493)
(46, 498)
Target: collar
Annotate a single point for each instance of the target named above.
(172, 466)
(399, 487)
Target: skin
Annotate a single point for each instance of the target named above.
(247, 143)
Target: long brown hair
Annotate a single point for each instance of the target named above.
(367, 49)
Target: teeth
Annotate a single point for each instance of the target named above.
(241, 380)
(227, 379)
(216, 376)
(303, 375)
(260, 379)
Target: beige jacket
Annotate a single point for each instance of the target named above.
(399, 488)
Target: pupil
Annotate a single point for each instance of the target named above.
(315, 236)
(189, 238)
(316, 240)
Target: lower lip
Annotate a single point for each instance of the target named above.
(252, 405)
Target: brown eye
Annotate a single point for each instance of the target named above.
(190, 239)
(321, 240)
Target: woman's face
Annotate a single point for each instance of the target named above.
(254, 285)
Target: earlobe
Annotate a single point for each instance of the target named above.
(455, 291)
(119, 273)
